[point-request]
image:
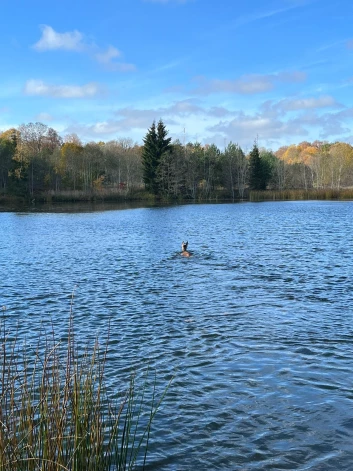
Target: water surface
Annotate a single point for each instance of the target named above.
(256, 326)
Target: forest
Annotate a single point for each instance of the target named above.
(36, 163)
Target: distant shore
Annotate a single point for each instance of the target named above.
(90, 202)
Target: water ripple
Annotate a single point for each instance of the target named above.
(256, 327)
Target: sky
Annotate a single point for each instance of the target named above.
(215, 71)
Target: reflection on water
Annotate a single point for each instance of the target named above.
(256, 327)
(78, 207)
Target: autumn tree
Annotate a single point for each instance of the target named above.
(319, 164)
(295, 158)
(156, 144)
(234, 165)
(123, 168)
(211, 169)
(280, 171)
(193, 155)
(92, 166)
(242, 170)
(70, 165)
(36, 143)
(341, 165)
(133, 166)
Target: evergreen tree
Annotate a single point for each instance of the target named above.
(156, 144)
(258, 170)
(8, 144)
(269, 162)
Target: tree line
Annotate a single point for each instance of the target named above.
(36, 162)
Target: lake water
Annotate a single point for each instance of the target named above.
(256, 327)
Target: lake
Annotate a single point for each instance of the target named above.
(256, 327)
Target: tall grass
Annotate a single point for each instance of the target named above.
(56, 413)
(296, 194)
(102, 194)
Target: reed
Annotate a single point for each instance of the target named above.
(101, 194)
(56, 412)
(297, 194)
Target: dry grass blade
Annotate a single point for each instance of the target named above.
(56, 414)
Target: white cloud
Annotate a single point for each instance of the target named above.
(178, 109)
(308, 103)
(75, 41)
(39, 88)
(105, 57)
(131, 119)
(275, 129)
(123, 67)
(244, 128)
(44, 117)
(275, 109)
(246, 84)
(51, 39)
(276, 123)
(294, 76)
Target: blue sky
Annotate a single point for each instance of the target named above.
(215, 71)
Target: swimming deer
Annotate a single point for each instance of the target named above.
(184, 252)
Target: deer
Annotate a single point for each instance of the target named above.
(184, 251)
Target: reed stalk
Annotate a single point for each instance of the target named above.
(56, 412)
(301, 194)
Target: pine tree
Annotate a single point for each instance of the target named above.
(156, 144)
(257, 170)
(8, 144)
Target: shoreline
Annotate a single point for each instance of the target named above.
(95, 203)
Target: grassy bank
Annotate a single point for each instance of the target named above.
(297, 195)
(111, 194)
(9, 203)
(56, 412)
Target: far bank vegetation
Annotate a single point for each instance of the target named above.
(37, 164)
